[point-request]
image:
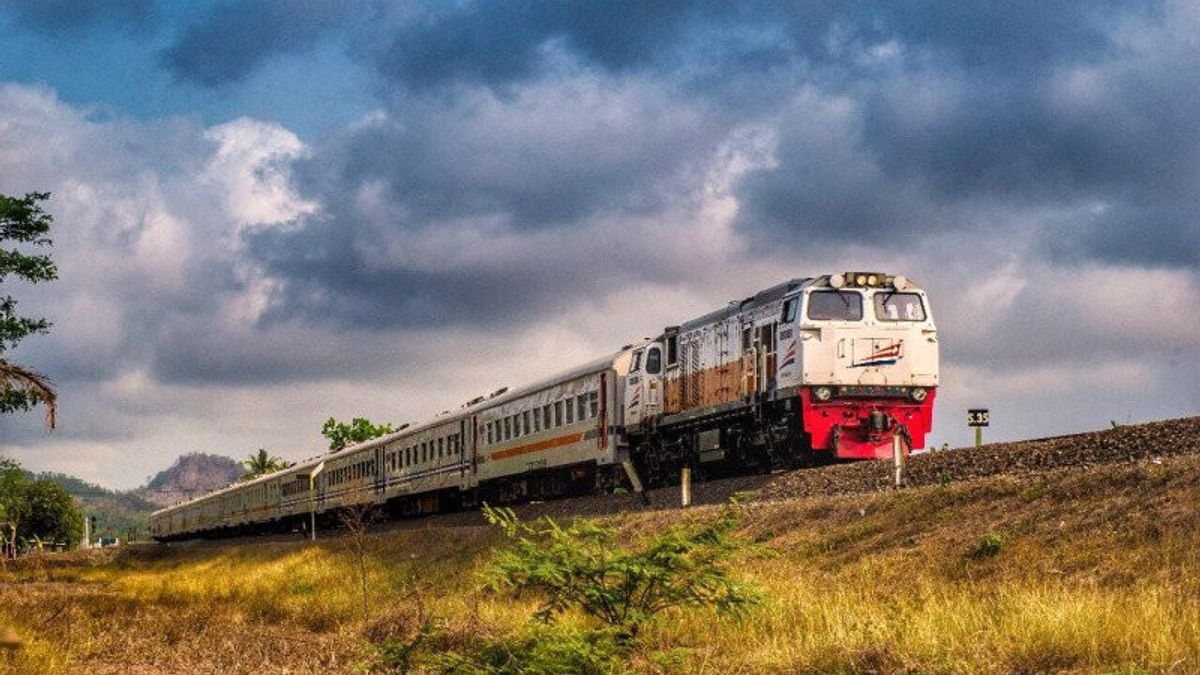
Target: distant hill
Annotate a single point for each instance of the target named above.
(191, 475)
(116, 513)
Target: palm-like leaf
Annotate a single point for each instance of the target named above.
(262, 463)
(35, 385)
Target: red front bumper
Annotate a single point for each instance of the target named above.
(844, 425)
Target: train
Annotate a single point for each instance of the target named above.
(810, 371)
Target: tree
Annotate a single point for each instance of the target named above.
(43, 509)
(13, 481)
(23, 221)
(358, 519)
(38, 508)
(359, 429)
(261, 463)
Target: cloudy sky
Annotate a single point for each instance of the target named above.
(273, 211)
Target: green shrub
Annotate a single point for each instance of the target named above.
(990, 544)
(582, 566)
(545, 650)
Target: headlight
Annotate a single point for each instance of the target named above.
(822, 394)
(919, 395)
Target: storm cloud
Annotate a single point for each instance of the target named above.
(58, 17)
(534, 183)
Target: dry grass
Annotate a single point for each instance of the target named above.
(1074, 571)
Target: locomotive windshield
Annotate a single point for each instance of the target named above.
(835, 306)
(899, 307)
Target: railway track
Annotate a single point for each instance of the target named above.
(1131, 443)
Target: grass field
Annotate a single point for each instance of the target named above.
(1093, 570)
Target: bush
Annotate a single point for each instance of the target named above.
(990, 544)
(582, 567)
(546, 650)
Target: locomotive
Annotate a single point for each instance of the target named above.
(809, 371)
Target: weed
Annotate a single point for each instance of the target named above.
(989, 545)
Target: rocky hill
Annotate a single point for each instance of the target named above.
(190, 476)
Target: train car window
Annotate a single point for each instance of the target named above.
(637, 362)
(546, 416)
(594, 401)
(581, 405)
(507, 428)
(653, 361)
(537, 420)
(441, 448)
(516, 425)
(672, 350)
(424, 451)
(747, 340)
(789, 309)
(570, 411)
(899, 307)
(558, 413)
(525, 422)
(835, 306)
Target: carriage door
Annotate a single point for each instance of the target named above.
(643, 386)
(633, 390)
(652, 381)
(379, 476)
(766, 351)
(749, 361)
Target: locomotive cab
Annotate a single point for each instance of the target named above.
(867, 364)
(643, 394)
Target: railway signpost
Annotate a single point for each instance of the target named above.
(978, 418)
(312, 496)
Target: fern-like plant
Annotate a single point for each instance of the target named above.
(583, 566)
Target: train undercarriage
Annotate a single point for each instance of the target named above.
(779, 434)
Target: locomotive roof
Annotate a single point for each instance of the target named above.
(759, 299)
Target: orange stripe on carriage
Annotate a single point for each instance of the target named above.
(540, 445)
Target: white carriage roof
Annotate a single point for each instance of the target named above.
(304, 467)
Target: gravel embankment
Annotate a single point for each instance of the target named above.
(1142, 442)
